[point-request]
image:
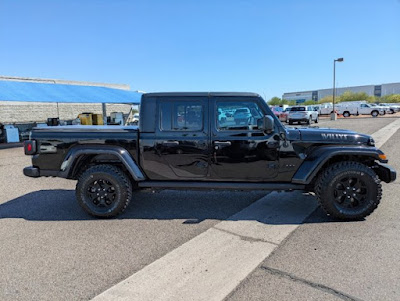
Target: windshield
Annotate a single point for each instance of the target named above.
(297, 109)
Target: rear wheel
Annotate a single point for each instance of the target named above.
(374, 113)
(346, 114)
(309, 120)
(290, 122)
(104, 191)
(316, 119)
(348, 190)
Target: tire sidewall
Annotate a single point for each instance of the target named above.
(121, 192)
(352, 212)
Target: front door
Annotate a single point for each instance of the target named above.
(240, 151)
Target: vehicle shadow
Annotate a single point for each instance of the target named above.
(192, 207)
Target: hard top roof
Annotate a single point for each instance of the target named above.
(199, 94)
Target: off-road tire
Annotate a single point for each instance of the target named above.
(114, 181)
(334, 177)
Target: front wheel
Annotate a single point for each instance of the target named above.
(309, 120)
(348, 190)
(346, 114)
(104, 191)
(316, 119)
(374, 113)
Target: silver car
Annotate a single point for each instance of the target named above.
(305, 114)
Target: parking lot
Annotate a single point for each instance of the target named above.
(51, 250)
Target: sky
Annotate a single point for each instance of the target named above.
(267, 47)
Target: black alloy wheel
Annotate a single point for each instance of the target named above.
(348, 190)
(104, 191)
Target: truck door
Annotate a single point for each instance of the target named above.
(182, 139)
(240, 151)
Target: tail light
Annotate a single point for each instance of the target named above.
(30, 147)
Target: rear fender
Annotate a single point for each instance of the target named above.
(71, 159)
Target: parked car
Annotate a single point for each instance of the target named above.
(394, 108)
(325, 108)
(302, 114)
(343, 168)
(135, 119)
(241, 116)
(284, 115)
(384, 109)
(277, 111)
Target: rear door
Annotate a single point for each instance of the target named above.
(181, 149)
(240, 151)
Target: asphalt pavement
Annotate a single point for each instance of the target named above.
(329, 260)
(51, 250)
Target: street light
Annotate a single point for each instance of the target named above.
(333, 115)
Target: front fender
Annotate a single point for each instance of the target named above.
(117, 151)
(316, 160)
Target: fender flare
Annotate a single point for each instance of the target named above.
(316, 160)
(117, 151)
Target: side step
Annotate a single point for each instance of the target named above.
(219, 185)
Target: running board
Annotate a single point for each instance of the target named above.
(219, 185)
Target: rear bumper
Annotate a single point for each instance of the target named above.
(31, 171)
(385, 172)
(298, 119)
(35, 172)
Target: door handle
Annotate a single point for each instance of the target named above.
(222, 143)
(170, 143)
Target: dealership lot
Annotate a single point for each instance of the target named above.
(52, 250)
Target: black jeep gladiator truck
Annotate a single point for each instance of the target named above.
(196, 141)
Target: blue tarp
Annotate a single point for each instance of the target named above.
(40, 92)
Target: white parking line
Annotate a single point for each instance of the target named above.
(385, 133)
(211, 265)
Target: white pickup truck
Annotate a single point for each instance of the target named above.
(359, 108)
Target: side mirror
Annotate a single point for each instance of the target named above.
(266, 124)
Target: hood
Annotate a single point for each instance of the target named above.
(329, 136)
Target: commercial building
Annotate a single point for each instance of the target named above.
(372, 90)
(26, 112)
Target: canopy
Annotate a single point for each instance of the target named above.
(41, 92)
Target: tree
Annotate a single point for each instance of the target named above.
(328, 98)
(390, 98)
(275, 101)
(309, 103)
(356, 96)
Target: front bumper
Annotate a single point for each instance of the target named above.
(385, 172)
(31, 171)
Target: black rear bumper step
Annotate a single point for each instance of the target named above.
(220, 185)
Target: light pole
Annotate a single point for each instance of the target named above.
(333, 115)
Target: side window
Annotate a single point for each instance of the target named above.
(238, 115)
(181, 116)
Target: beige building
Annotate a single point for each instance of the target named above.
(372, 90)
